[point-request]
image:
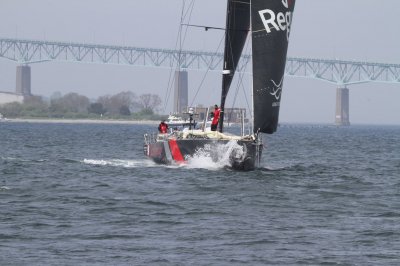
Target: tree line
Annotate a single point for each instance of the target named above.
(73, 105)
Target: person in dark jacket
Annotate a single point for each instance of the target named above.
(163, 127)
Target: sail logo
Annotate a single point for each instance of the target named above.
(280, 21)
(276, 91)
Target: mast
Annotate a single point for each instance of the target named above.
(251, 78)
(236, 31)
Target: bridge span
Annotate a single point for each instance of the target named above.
(338, 72)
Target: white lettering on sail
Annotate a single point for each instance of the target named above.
(269, 21)
(279, 22)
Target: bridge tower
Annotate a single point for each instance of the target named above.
(342, 107)
(23, 81)
(181, 91)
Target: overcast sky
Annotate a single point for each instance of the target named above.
(363, 30)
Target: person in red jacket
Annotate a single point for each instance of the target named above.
(214, 123)
(163, 127)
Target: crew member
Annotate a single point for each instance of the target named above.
(163, 127)
(214, 123)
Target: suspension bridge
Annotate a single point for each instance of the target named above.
(338, 72)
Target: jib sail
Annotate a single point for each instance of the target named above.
(237, 28)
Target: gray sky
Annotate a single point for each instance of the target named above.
(364, 30)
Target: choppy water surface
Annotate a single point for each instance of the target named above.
(85, 195)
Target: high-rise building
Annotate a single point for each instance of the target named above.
(181, 92)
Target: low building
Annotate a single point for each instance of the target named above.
(22, 88)
(9, 97)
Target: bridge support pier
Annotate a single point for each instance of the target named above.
(181, 91)
(342, 107)
(23, 81)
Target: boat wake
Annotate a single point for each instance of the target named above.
(216, 157)
(202, 160)
(197, 162)
(210, 157)
(120, 163)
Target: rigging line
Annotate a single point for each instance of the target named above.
(205, 74)
(247, 102)
(191, 7)
(236, 93)
(241, 2)
(172, 80)
(240, 84)
(228, 38)
(235, 66)
(206, 28)
(187, 11)
(251, 77)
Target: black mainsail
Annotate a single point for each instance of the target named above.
(271, 23)
(237, 28)
(270, 28)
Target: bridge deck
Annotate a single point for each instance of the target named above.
(338, 72)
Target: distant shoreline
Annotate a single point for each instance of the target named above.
(156, 122)
(81, 121)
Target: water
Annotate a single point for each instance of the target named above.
(74, 194)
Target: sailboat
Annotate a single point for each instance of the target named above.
(269, 23)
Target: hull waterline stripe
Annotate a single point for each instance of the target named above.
(167, 152)
(175, 151)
